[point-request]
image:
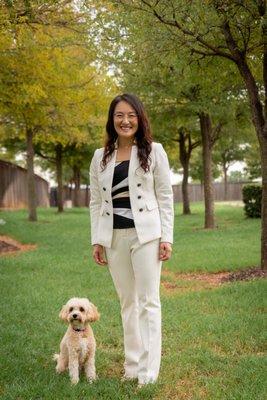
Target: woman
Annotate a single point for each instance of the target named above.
(131, 210)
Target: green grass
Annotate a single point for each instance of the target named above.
(234, 244)
(213, 339)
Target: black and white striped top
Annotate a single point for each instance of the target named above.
(122, 213)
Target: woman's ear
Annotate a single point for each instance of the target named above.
(92, 314)
(64, 313)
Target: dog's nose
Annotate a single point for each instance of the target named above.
(75, 316)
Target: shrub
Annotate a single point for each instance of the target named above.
(252, 200)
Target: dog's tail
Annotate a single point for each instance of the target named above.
(55, 356)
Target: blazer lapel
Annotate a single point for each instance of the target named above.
(106, 176)
(134, 161)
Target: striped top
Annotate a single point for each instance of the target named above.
(122, 213)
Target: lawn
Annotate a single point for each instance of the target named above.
(213, 338)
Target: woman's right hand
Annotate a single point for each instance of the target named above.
(98, 253)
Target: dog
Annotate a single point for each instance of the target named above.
(77, 348)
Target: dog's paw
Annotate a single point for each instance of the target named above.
(74, 381)
(91, 379)
(60, 369)
(55, 357)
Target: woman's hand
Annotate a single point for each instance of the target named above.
(165, 251)
(98, 253)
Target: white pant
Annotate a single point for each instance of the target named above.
(135, 270)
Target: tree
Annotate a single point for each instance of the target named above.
(49, 87)
(235, 31)
(174, 90)
(252, 160)
(196, 168)
(186, 147)
(228, 153)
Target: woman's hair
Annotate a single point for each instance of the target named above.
(143, 135)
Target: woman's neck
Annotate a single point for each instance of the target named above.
(125, 144)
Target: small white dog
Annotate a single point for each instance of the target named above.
(77, 348)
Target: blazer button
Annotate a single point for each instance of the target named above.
(138, 184)
(139, 197)
(104, 188)
(140, 209)
(107, 213)
(106, 201)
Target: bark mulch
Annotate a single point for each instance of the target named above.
(245, 275)
(200, 281)
(11, 246)
(223, 277)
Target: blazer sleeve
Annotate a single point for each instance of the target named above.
(164, 193)
(95, 198)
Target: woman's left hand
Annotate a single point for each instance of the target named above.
(165, 251)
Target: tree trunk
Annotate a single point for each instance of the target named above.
(207, 143)
(263, 149)
(77, 180)
(58, 149)
(259, 117)
(225, 182)
(260, 123)
(184, 159)
(32, 203)
(186, 203)
(87, 198)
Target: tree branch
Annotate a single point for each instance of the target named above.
(198, 38)
(39, 153)
(237, 54)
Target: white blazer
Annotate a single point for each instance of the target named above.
(151, 197)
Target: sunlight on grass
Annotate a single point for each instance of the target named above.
(213, 336)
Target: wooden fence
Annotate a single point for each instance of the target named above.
(13, 187)
(68, 196)
(13, 190)
(196, 193)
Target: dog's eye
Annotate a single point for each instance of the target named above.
(71, 309)
(81, 309)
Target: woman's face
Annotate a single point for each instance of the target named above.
(125, 120)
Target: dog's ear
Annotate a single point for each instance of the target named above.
(64, 313)
(92, 314)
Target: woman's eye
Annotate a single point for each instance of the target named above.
(71, 309)
(81, 309)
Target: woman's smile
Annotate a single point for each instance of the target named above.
(126, 128)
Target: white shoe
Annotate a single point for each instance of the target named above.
(142, 384)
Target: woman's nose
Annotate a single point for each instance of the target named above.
(125, 118)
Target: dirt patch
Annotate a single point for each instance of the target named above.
(245, 275)
(11, 246)
(213, 279)
(6, 247)
(198, 281)
(169, 285)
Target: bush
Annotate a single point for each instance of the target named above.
(252, 200)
